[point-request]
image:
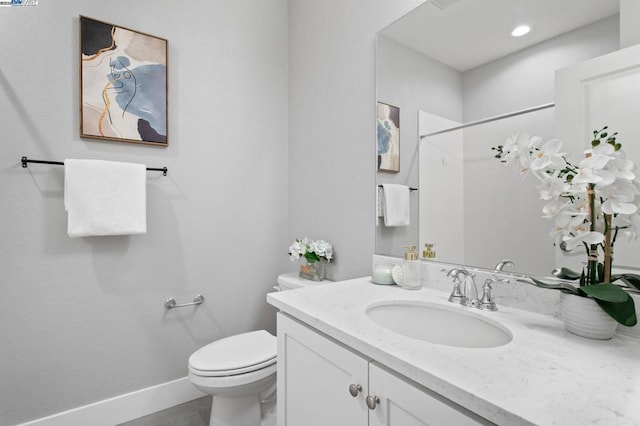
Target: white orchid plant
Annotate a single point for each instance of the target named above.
(592, 204)
(312, 251)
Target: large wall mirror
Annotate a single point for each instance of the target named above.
(454, 64)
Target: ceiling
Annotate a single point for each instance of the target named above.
(467, 33)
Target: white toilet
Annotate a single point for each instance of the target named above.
(240, 371)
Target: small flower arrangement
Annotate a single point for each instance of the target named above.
(312, 251)
(317, 253)
(591, 203)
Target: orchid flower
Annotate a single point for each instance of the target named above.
(595, 168)
(586, 237)
(619, 198)
(621, 167)
(552, 208)
(520, 147)
(592, 170)
(552, 186)
(629, 224)
(549, 155)
(568, 223)
(564, 186)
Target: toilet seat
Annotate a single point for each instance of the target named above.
(234, 355)
(234, 372)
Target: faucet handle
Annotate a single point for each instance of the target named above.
(494, 279)
(486, 301)
(456, 272)
(503, 263)
(450, 272)
(456, 294)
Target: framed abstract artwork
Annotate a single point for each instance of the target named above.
(388, 137)
(123, 84)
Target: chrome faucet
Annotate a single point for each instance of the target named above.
(470, 298)
(486, 302)
(455, 273)
(468, 294)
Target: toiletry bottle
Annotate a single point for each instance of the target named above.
(411, 269)
(429, 252)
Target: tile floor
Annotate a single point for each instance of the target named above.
(192, 413)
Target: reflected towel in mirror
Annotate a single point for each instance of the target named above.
(395, 204)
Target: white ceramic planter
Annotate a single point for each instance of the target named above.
(584, 317)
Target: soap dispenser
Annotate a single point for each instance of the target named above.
(429, 252)
(411, 269)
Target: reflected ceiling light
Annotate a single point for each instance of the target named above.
(520, 30)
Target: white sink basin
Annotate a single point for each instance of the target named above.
(444, 325)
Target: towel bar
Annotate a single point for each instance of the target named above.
(411, 188)
(170, 303)
(26, 160)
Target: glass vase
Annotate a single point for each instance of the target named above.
(313, 271)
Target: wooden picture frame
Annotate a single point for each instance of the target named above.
(123, 84)
(388, 137)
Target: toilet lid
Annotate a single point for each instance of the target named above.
(235, 354)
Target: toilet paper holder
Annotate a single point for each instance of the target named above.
(170, 303)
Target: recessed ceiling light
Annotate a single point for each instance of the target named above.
(520, 31)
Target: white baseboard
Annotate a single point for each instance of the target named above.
(124, 408)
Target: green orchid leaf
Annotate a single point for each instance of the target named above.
(632, 280)
(567, 274)
(564, 287)
(624, 313)
(606, 292)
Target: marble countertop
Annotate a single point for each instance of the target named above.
(544, 376)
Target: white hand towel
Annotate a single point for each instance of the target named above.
(396, 204)
(105, 198)
(379, 202)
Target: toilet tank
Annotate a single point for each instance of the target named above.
(292, 280)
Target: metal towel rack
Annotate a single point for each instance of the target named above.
(26, 160)
(170, 303)
(411, 188)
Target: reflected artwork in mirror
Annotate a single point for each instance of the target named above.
(388, 137)
(459, 67)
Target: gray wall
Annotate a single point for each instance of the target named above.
(83, 319)
(332, 123)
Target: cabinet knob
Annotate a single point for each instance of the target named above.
(354, 390)
(372, 401)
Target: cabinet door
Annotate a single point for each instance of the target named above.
(314, 375)
(404, 404)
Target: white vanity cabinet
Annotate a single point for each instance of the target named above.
(324, 383)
